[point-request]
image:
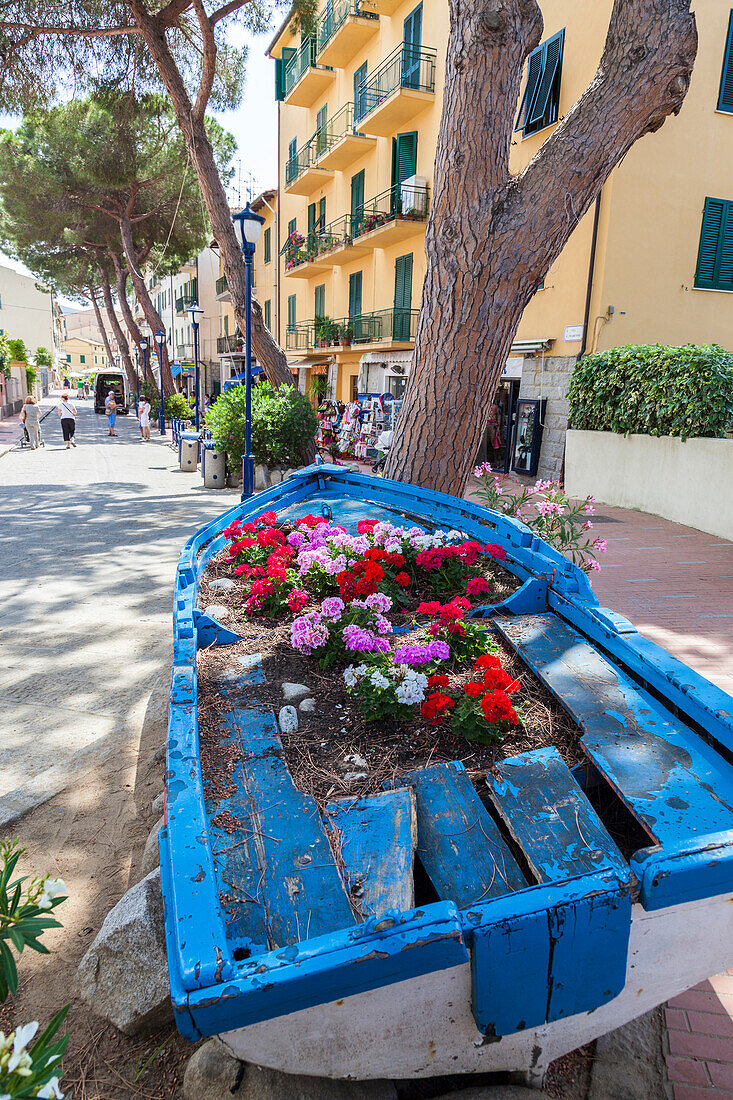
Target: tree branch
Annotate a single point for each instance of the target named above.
(208, 60)
(227, 9)
(79, 32)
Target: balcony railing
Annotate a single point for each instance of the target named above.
(221, 284)
(408, 66)
(401, 202)
(228, 344)
(183, 301)
(335, 15)
(393, 325)
(300, 62)
(307, 156)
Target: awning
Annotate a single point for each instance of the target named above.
(241, 377)
(308, 363)
(175, 369)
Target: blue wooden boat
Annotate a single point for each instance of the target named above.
(541, 935)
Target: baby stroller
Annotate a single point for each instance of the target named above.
(384, 442)
(25, 440)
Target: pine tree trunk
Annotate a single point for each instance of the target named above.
(100, 324)
(121, 281)
(117, 329)
(491, 237)
(152, 316)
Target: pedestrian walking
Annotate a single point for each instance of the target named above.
(86, 388)
(110, 406)
(67, 414)
(79, 390)
(30, 414)
(66, 381)
(144, 408)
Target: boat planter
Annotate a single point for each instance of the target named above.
(534, 945)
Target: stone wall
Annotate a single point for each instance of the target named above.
(549, 380)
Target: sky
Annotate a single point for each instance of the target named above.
(253, 124)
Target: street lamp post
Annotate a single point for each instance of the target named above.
(137, 377)
(195, 311)
(159, 339)
(250, 227)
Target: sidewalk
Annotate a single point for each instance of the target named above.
(11, 427)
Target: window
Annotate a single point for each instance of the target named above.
(715, 255)
(539, 107)
(725, 98)
(291, 313)
(82, 359)
(319, 301)
(226, 324)
(268, 244)
(402, 298)
(268, 315)
(355, 281)
(291, 170)
(292, 226)
(321, 220)
(360, 76)
(68, 358)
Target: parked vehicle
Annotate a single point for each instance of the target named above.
(106, 380)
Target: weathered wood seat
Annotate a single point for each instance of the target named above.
(377, 840)
(548, 815)
(273, 861)
(458, 843)
(671, 780)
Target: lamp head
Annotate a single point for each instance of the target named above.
(194, 311)
(144, 344)
(160, 338)
(250, 226)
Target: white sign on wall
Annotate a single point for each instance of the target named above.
(513, 367)
(573, 333)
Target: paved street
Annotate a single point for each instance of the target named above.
(88, 547)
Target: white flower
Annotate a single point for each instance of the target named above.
(353, 674)
(19, 1061)
(52, 888)
(51, 1090)
(455, 536)
(377, 680)
(409, 692)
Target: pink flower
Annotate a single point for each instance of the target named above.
(594, 566)
(548, 508)
(588, 525)
(601, 545)
(476, 585)
(590, 506)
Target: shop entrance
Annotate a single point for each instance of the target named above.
(496, 446)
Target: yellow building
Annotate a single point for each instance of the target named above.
(230, 342)
(82, 356)
(359, 109)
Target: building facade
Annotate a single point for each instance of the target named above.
(27, 312)
(359, 108)
(81, 356)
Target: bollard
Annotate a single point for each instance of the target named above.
(188, 451)
(213, 467)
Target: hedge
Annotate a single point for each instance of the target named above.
(284, 423)
(654, 390)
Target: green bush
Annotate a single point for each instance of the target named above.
(31, 374)
(43, 357)
(654, 390)
(284, 423)
(174, 405)
(18, 351)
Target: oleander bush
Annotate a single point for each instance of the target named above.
(653, 389)
(284, 424)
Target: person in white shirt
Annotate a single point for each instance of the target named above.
(67, 415)
(111, 408)
(144, 418)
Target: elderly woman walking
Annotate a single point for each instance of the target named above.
(67, 413)
(31, 417)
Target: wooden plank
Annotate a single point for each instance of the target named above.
(674, 783)
(550, 818)
(378, 836)
(549, 953)
(458, 843)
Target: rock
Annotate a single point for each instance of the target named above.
(495, 1092)
(276, 476)
(217, 611)
(158, 756)
(629, 1063)
(307, 706)
(260, 478)
(151, 855)
(288, 719)
(351, 777)
(287, 473)
(222, 582)
(158, 804)
(124, 975)
(294, 691)
(354, 758)
(214, 1074)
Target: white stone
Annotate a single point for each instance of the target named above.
(222, 582)
(275, 476)
(158, 804)
(151, 855)
(217, 611)
(124, 975)
(351, 777)
(294, 691)
(307, 706)
(288, 719)
(260, 478)
(358, 761)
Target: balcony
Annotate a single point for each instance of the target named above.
(344, 28)
(229, 345)
(391, 217)
(222, 289)
(333, 245)
(402, 87)
(183, 301)
(305, 81)
(384, 326)
(302, 174)
(184, 352)
(338, 144)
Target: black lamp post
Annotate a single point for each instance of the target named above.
(250, 227)
(195, 311)
(160, 340)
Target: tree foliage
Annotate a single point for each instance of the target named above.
(654, 390)
(284, 424)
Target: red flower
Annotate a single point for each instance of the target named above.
(267, 517)
(497, 552)
(432, 607)
(496, 678)
(403, 579)
(276, 572)
(476, 585)
(497, 707)
(270, 536)
(474, 688)
(234, 530)
(435, 706)
(297, 600)
(243, 571)
(309, 521)
(375, 554)
(395, 560)
(487, 660)
(438, 681)
(366, 526)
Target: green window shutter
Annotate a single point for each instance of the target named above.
(319, 301)
(542, 93)
(725, 98)
(357, 202)
(712, 226)
(725, 251)
(226, 324)
(268, 315)
(291, 313)
(321, 117)
(402, 297)
(268, 244)
(404, 157)
(355, 295)
(311, 218)
(534, 74)
(321, 222)
(280, 67)
(82, 359)
(360, 97)
(292, 226)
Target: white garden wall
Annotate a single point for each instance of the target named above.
(690, 483)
